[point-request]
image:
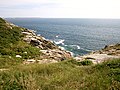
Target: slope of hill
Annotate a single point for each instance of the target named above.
(19, 46)
(24, 46)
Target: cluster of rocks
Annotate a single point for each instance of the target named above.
(96, 58)
(108, 52)
(10, 25)
(38, 41)
(44, 61)
(56, 54)
(50, 52)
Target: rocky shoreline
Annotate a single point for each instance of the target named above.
(51, 53)
(107, 53)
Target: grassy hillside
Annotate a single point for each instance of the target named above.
(65, 75)
(11, 44)
(62, 76)
(8, 36)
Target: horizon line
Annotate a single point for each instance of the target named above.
(61, 17)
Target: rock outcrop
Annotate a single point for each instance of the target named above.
(38, 41)
(110, 50)
(107, 53)
(51, 53)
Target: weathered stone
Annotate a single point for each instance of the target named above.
(29, 61)
(18, 56)
(47, 61)
(49, 50)
(35, 42)
(26, 33)
(110, 50)
(57, 54)
(27, 40)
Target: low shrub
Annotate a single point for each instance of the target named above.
(86, 62)
(79, 63)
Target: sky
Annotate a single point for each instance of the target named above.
(60, 8)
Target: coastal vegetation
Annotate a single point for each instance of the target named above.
(68, 74)
(62, 76)
(11, 44)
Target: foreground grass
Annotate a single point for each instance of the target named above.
(62, 76)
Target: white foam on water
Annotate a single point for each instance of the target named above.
(86, 50)
(59, 42)
(57, 36)
(78, 47)
(75, 46)
(38, 34)
(65, 45)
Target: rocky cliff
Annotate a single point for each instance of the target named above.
(23, 43)
(50, 51)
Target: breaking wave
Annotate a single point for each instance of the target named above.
(75, 46)
(59, 41)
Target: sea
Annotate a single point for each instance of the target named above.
(79, 36)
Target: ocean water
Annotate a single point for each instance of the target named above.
(79, 36)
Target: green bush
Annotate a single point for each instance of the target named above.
(86, 62)
(79, 63)
(32, 52)
(74, 62)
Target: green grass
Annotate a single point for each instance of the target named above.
(2, 21)
(21, 47)
(66, 75)
(11, 44)
(62, 76)
(8, 36)
(79, 63)
(7, 61)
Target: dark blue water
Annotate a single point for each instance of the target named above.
(79, 36)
